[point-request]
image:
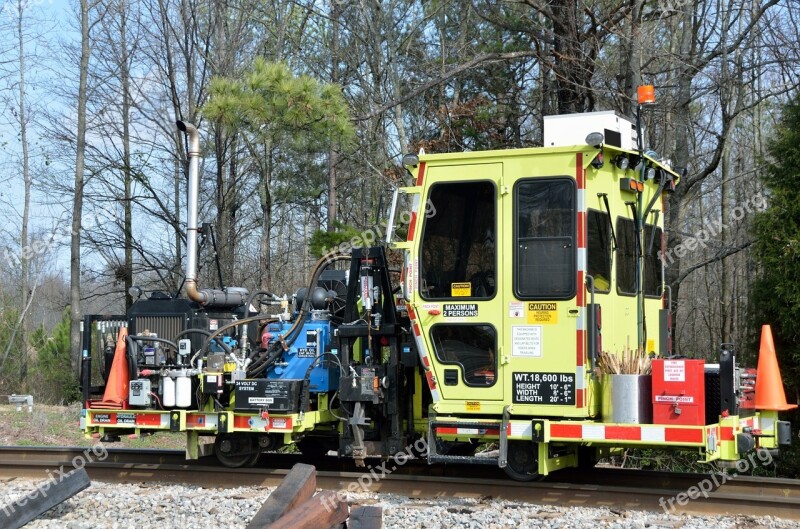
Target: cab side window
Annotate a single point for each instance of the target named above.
(626, 257)
(598, 244)
(652, 263)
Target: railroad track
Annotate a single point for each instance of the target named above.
(600, 487)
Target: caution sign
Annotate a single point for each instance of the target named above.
(461, 290)
(542, 313)
(460, 310)
(544, 388)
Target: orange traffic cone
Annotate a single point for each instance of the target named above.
(118, 379)
(769, 385)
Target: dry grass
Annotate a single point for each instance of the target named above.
(59, 426)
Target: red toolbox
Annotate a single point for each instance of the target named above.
(679, 393)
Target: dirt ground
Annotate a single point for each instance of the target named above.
(59, 426)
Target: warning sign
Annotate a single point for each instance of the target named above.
(526, 340)
(516, 309)
(674, 371)
(473, 406)
(542, 313)
(461, 290)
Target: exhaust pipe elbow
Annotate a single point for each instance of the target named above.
(194, 137)
(193, 293)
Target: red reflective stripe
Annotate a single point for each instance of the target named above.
(416, 329)
(726, 433)
(580, 174)
(412, 226)
(193, 420)
(683, 435)
(411, 313)
(624, 433)
(579, 398)
(241, 421)
(425, 361)
(582, 230)
(149, 419)
(580, 336)
(581, 297)
(446, 431)
(421, 173)
(566, 431)
(431, 382)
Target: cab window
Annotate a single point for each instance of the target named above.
(470, 346)
(545, 260)
(652, 264)
(598, 243)
(457, 254)
(626, 257)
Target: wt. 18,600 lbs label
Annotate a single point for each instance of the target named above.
(544, 388)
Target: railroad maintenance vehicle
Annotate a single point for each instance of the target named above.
(518, 300)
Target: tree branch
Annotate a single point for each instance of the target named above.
(446, 76)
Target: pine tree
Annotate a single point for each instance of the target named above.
(775, 295)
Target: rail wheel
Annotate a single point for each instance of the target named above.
(523, 461)
(235, 451)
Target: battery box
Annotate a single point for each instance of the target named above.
(272, 395)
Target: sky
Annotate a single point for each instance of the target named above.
(48, 25)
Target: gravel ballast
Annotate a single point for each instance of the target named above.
(124, 506)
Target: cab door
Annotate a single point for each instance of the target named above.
(457, 289)
(543, 373)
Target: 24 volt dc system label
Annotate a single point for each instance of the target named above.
(544, 388)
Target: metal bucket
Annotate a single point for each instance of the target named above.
(627, 399)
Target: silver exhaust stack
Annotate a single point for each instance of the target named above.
(230, 297)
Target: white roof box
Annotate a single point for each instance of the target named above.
(572, 129)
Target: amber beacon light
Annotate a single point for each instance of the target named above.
(647, 94)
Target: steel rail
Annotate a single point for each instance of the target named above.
(598, 487)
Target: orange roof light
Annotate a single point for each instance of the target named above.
(647, 94)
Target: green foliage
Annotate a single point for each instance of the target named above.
(53, 378)
(775, 295)
(322, 242)
(9, 364)
(272, 104)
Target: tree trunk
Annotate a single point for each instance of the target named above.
(77, 199)
(126, 154)
(27, 352)
(683, 133)
(264, 261)
(333, 155)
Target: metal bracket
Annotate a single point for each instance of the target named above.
(502, 459)
(537, 430)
